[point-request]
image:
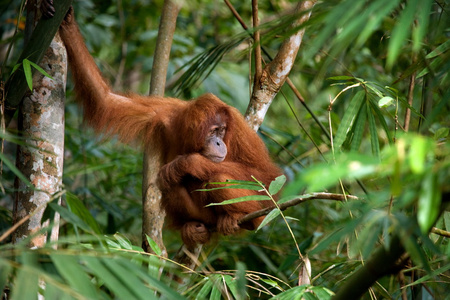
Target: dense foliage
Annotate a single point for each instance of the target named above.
(362, 67)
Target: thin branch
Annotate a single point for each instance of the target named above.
(440, 232)
(256, 38)
(301, 199)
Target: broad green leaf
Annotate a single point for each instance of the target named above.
(347, 120)
(242, 199)
(77, 207)
(70, 269)
(401, 31)
(429, 202)
(276, 185)
(28, 73)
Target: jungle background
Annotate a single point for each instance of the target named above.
(368, 117)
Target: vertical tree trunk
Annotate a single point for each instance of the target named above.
(152, 214)
(40, 159)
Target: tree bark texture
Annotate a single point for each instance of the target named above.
(276, 72)
(16, 85)
(40, 158)
(152, 214)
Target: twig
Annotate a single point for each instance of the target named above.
(300, 199)
(257, 40)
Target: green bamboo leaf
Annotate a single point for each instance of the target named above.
(242, 199)
(70, 269)
(123, 241)
(231, 284)
(70, 217)
(276, 185)
(429, 202)
(232, 186)
(241, 281)
(149, 281)
(381, 119)
(378, 11)
(16, 171)
(385, 101)
(26, 282)
(401, 31)
(359, 127)
(42, 71)
(418, 154)
(127, 274)
(153, 245)
(269, 217)
(343, 77)
(77, 207)
(348, 118)
(5, 270)
(28, 73)
(205, 290)
(215, 293)
(373, 133)
(111, 281)
(423, 18)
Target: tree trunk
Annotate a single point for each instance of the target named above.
(40, 158)
(152, 214)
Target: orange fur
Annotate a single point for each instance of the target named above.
(179, 129)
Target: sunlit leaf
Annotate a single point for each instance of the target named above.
(28, 73)
(42, 71)
(153, 245)
(429, 202)
(385, 101)
(277, 184)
